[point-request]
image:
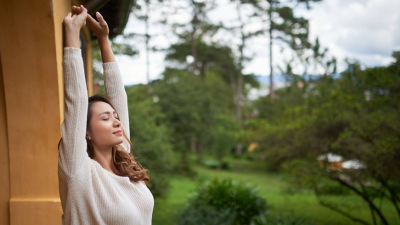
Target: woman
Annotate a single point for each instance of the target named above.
(100, 182)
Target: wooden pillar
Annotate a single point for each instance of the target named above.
(31, 109)
(4, 161)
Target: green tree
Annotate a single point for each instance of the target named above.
(224, 134)
(151, 138)
(190, 106)
(287, 29)
(354, 116)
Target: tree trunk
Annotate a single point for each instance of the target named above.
(271, 80)
(199, 152)
(147, 42)
(239, 93)
(193, 144)
(239, 148)
(193, 49)
(193, 39)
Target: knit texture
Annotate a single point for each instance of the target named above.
(89, 193)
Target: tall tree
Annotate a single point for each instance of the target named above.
(286, 28)
(238, 78)
(191, 106)
(191, 34)
(142, 12)
(211, 56)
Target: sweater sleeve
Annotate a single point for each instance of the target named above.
(115, 90)
(73, 143)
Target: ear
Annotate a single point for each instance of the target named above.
(87, 135)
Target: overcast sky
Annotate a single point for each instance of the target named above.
(367, 30)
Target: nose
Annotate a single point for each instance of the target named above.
(117, 123)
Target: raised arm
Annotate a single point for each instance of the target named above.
(73, 144)
(112, 76)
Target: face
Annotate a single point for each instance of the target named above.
(105, 129)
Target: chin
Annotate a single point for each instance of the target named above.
(118, 142)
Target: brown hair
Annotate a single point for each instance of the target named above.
(123, 161)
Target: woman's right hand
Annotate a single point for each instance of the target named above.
(78, 20)
(73, 25)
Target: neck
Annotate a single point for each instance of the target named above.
(104, 157)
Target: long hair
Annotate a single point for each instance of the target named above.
(123, 161)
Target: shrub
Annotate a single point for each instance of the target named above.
(332, 188)
(205, 215)
(223, 202)
(283, 220)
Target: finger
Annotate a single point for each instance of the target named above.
(91, 22)
(73, 17)
(84, 10)
(76, 9)
(90, 19)
(69, 15)
(101, 19)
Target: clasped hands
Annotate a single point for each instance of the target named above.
(74, 22)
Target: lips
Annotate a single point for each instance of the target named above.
(119, 132)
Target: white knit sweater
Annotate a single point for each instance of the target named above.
(89, 193)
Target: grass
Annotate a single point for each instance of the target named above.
(272, 187)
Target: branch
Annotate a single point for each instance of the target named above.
(343, 213)
(365, 197)
(370, 207)
(393, 196)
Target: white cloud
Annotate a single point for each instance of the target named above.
(364, 29)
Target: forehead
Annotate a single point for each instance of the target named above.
(99, 107)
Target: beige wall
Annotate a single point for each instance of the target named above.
(31, 109)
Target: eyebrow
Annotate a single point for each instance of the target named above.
(107, 113)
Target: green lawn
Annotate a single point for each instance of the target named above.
(271, 186)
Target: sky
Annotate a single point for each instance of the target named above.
(366, 30)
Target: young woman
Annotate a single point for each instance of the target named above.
(100, 182)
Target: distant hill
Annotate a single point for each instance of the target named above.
(279, 78)
(279, 82)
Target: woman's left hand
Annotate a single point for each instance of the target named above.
(100, 29)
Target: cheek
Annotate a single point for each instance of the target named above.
(100, 130)
(101, 133)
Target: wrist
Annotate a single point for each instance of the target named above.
(70, 28)
(103, 40)
(72, 38)
(71, 31)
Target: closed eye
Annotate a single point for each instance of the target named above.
(116, 115)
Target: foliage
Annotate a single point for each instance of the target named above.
(354, 116)
(224, 201)
(271, 186)
(151, 138)
(223, 137)
(205, 215)
(191, 107)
